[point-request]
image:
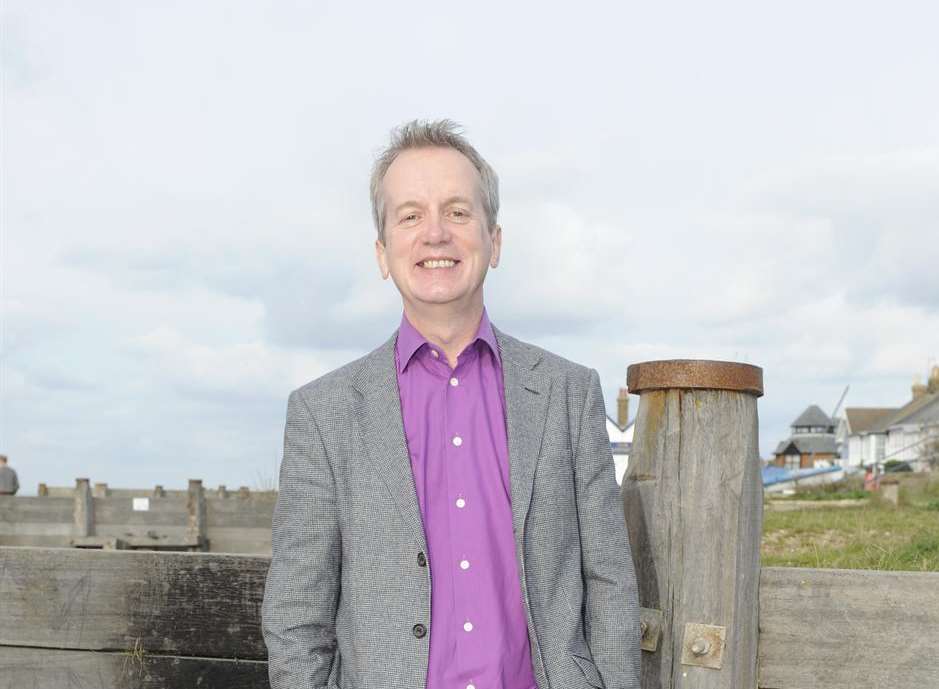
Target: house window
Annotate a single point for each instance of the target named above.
(792, 462)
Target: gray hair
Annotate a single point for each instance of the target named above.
(422, 134)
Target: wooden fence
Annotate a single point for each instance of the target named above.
(95, 516)
(711, 616)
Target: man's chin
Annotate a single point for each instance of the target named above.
(438, 299)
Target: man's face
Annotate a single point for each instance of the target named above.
(438, 246)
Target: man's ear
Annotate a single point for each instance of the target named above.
(496, 235)
(382, 259)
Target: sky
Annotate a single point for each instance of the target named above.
(185, 231)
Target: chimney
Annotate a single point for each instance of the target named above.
(622, 407)
(933, 385)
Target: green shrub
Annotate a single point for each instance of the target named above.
(843, 494)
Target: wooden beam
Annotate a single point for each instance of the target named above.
(838, 629)
(58, 669)
(193, 604)
(848, 629)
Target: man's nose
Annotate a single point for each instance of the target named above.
(435, 229)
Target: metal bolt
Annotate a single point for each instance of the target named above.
(700, 647)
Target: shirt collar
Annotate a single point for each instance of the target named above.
(410, 340)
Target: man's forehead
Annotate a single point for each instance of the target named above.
(440, 169)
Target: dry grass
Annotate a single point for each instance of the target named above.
(873, 535)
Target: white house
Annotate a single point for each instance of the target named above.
(913, 432)
(861, 436)
(621, 434)
(908, 434)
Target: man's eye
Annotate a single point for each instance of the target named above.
(459, 213)
(410, 217)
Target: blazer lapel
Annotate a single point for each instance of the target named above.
(378, 411)
(526, 401)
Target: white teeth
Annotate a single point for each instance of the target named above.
(443, 263)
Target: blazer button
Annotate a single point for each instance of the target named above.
(419, 630)
(421, 560)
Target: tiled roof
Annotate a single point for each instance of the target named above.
(913, 412)
(813, 416)
(810, 444)
(864, 419)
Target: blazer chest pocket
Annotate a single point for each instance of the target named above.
(591, 674)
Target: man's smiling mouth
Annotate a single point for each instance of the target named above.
(438, 263)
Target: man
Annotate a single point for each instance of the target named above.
(9, 483)
(448, 515)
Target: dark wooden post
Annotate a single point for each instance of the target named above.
(84, 510)
(196, 531)
(693, 500)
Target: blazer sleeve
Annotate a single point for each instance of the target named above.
(298, 613)
(611, 616)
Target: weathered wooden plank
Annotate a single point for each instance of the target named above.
(140, 537)
(255, 512)
(848, 629)
(60, 669)
(44, 540)
(240, 540)
(15, 509)
(119, 511)
(693, 504)
(184, 603)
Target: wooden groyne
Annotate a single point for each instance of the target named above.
(712, 617)
(96, 516)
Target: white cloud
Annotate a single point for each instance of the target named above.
(186, 235)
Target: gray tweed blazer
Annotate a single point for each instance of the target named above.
(346, 604)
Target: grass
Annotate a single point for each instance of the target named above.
(875, 535)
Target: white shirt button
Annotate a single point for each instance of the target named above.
(464, 564)
(457, 440)
(434, 353)
(454, 382)
(461, 503)
(467, 626)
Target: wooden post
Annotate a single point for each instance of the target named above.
(42, 491)
(158, 491)
(890, 491)
(222, 492)
(101, 490)
(84, 511)
(196, 507)
(244, 492)
(693, 500)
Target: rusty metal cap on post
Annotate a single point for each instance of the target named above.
(696, 374)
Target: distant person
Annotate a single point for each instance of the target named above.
(9, 483)
(448, 514)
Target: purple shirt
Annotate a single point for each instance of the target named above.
(454, 422)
